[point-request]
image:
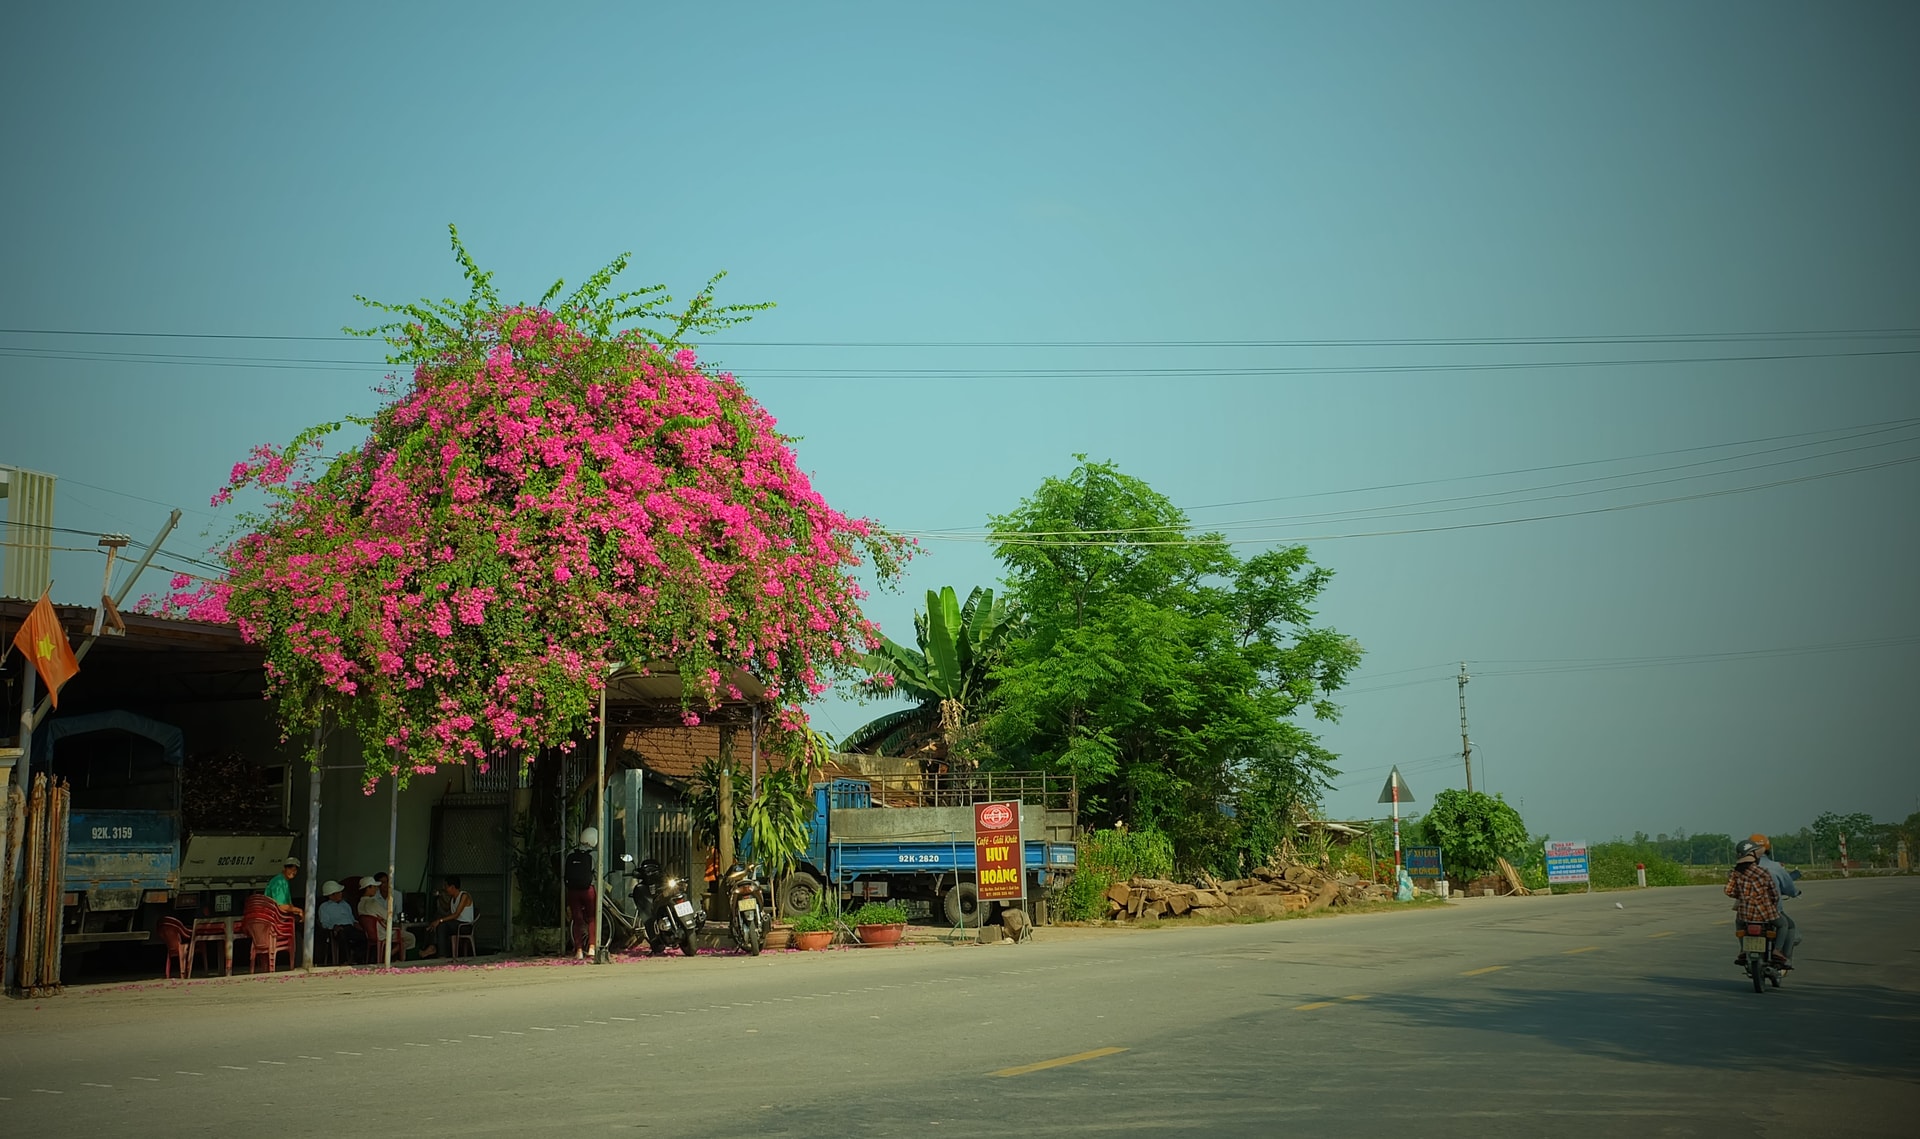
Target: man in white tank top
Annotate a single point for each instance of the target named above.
(459, 912)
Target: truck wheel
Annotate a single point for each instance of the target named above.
(797, 894)
(961, 903)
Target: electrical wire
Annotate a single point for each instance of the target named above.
(1377, 513)
(1303, 539)
(1353, 342)
(1107, 373)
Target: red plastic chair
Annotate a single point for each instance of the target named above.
(263, 940)
(269, 931)
(370, 931)
(174, 934)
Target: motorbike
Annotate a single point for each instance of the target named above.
(662, 910)
(751, 918)
(1756, 953)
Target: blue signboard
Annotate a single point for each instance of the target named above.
(1566, 862)
(1423, 861)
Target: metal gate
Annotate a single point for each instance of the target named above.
(666, 834)
(470, 840)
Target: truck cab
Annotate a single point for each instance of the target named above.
(129, 860)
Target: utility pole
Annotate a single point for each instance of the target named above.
(1466, 745)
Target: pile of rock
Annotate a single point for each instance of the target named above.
(1271, 892)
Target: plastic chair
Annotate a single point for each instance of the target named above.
(462, 931)
(262, 912)
(263, 940)
(174, 934)
(370, 933)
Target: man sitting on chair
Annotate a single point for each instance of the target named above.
(337, 920)
(374, 904)
(459, 913)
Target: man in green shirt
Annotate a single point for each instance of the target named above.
(280, 890)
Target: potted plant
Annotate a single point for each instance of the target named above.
(880, 923)
(813, 929)
(779, 935)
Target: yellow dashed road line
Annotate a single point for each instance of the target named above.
(1583, 949)
(1059, 1062)
(1481, 971)
(1311, 1005)
(1662, 933)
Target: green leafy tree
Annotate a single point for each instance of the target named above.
(1472, 830)
(1828, 828)
(947, 674)
(1161, 669)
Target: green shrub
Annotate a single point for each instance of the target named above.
(820, 917)
(1611, 864)
(879, 913)
(1106, 857)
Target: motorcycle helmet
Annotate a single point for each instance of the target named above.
(1745, 850)
(649, 870)
(589, 837)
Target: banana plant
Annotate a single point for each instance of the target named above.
(947, 673)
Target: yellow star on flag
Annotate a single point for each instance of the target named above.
(41, 640)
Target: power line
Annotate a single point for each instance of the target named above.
(1605, 664)
(1302, 539)
(1553, 666)
(1586, 339)
(1836, 431)
(1382, 512)
(903, 374)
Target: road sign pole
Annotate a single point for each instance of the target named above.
(1395, 790)
(1396, 825)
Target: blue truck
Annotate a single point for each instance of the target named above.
(911, 838)
(129, 861)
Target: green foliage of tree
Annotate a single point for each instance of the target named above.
(948, 673)
(1830, 825)
(1472, 829)
(1162, 669)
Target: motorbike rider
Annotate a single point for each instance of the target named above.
(1755, 896)
(1782, 879)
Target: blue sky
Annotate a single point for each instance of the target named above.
(1104, 175)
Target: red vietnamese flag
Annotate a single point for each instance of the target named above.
(43, 642)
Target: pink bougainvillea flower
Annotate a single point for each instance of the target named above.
(546, 492)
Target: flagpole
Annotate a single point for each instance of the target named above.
(119, 598)
(11, 918)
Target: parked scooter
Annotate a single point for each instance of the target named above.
(751, 918)
(662, 909)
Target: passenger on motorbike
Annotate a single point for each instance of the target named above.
(1783, 879)
(1755, 896)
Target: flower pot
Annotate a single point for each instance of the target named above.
(889, 934)
(813, 939)
(779, 937)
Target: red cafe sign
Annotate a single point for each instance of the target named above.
(996, 852)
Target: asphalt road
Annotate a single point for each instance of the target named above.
(1546, 1016)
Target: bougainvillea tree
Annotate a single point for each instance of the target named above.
(550, 490)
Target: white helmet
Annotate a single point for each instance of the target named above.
(589, 837)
